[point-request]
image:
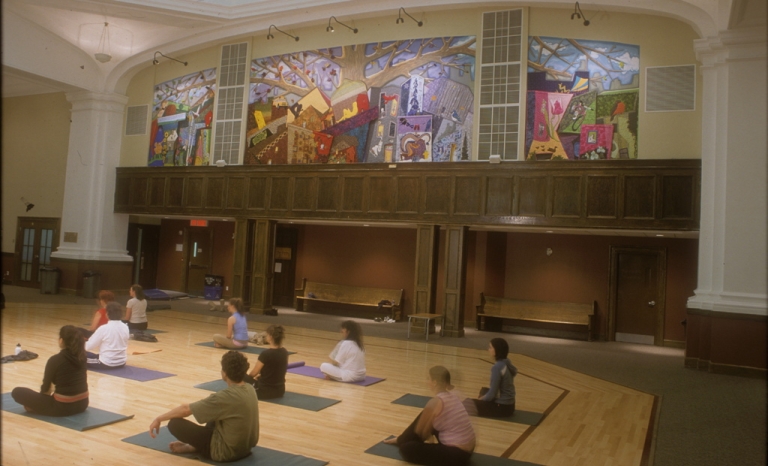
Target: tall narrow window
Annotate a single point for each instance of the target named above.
(230, 106)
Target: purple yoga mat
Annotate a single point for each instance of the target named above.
(134, 373)
(310, 371)
(295, 364)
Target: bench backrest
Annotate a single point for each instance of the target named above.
(352, 294)
(537, 310)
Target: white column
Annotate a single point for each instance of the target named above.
(89, 191)
(732, 275)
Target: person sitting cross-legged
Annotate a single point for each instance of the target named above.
(110, 340)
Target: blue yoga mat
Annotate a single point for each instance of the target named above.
(478, 459)
(259, 456)
(518, 417)
(247, 349)
(294, 400)
(89, 419)
(134, 373)
(315, 372)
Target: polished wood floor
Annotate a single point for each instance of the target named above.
(589, 421)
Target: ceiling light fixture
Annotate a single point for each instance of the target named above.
(401, 20)
(577, 13)
(270, 36)
(330, 28)
(103, 55)
(155, 61)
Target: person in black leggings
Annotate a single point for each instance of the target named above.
(66, 371)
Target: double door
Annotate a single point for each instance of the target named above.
(36, 238)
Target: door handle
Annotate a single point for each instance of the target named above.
(651, 303)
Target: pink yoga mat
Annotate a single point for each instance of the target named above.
(310, 371)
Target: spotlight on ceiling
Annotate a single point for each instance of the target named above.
(401, 20)
(330, 28)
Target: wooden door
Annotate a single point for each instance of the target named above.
(144, 245)
(199, 248)
(638, 289)
(36, 238)
(284, 281)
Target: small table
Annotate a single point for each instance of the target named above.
(426, 318)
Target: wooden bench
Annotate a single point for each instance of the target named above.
(349, 295)
(547, 317)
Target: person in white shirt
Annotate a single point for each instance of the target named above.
(136, 309)
(348, 357)
(110, 340)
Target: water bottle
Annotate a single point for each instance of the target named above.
(18, 348)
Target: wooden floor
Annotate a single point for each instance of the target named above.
(589, 421)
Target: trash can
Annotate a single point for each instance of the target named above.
(212, 288)
(49, 280)
(91, 284)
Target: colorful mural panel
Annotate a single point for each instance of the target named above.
(582, 101)
(182, 115)
(371, 103)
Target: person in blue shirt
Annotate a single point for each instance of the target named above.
(237, 327)
(498, 400)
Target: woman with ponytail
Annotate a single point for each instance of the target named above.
(348, 357)
(65, 372)
(268, 374)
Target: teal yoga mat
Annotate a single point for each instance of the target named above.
(259, 456)
(247, 349)
(519, 416)
(294, 400)
(391, 451)
(91, 418)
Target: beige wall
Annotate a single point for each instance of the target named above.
(35, 139)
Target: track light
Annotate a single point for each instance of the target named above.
(577, 13)
(330, 28)
(155, 61)
(401, 20)
(270, 36)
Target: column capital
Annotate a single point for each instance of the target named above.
(740, 44)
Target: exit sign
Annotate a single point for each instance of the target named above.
(198, 223)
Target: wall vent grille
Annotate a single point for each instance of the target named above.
(136, 120)
(670, 88)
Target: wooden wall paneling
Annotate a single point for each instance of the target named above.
(499, 196)
(566, 196)
(677, 197)
(193, 194)
(304, 193)
(214, 192)
(437, 194)
(427, 240)
(328, 194)
(122, 192)
(532, 196)
(139, 191)
(239, 257)
(353, 194)
(469, 196)
(261, 270)
(639, 197)
(455, 278)
(175, 191)
(258, 193)
(381, 194)
(235, 192)
(408, 198)
(157, 191)
(279, 196)
(602, 196)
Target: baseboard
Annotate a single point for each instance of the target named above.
(674, 344)
(725, 369)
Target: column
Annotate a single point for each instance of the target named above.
(427, 240)
(262, 270)
(728, 313)
(455, 277)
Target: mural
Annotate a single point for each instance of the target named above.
(398, 101)
(182, 114)
(582, 100)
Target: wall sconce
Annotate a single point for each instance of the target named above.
(401, 20)
(330, 28)
(155, 61)
(29, 205)
(549, 251)
(103, 55)
(270, 36)
(577, 13)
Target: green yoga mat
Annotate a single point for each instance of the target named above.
(247, 349)
(259, 456)
(91, 418)
(519, 417)
(391, 451)
(294, 400)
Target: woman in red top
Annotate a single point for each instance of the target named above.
(100, 316)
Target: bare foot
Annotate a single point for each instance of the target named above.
(28, 409)
(216, 345)
(328, 377)
(181, 447)
(391, 441)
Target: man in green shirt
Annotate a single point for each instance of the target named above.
(231, 418)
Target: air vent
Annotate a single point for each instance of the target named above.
(670, 88)
(136, 122)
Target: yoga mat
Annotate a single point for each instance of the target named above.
(291, 365)
(294, 400)
(134, 373)
(315, 372)
(153, 332)
(518, 417)
(260, 456)
(247, 349)
(89, 419)
(478, 459)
